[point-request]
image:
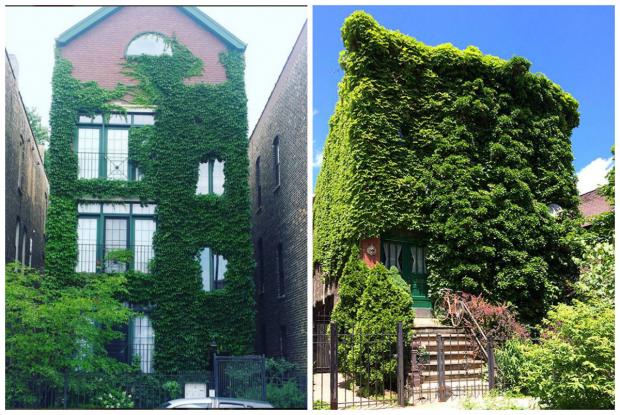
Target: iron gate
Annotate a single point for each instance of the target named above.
(240, 377)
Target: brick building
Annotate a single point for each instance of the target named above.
(118, 201)
(26, 186)
(278, 179)
(593, 203)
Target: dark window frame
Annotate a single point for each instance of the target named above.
(276, 162)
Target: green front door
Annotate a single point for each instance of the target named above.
(410, 259)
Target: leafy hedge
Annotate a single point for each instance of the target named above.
(372, 303)
(573, 365)
(193, 123)
(467, 150)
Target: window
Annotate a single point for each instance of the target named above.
(143, 248)
(213, 267)
(143, 342)
(280, 271)
(261, 270)
(30, 254)
(103, 227)
(263, 338)
(276, 160)
(115, 238)
(17, 240)
(87, 245)
(283, 341)
(20, 163)
(117, 167)
(88, 153)
(259, 199)
(103, 150)
(210, 178)
(24, 246)
(391, 255)
(152, 44)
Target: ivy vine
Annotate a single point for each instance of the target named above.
(193, 123)
(462, 149)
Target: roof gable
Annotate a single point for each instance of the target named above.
(202, 19)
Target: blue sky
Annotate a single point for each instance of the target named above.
(572, 45)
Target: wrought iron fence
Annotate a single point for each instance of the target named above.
(82, 390)
(397, 368)
(95, 258)
(240, 377)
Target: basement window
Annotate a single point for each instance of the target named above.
(152, 44)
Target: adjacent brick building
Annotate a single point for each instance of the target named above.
(26, 186)
(278, 179)
(593, 203)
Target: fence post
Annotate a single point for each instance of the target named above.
(264, 379)
(65, 387)
(216, 375)
(400, 372)
(491, 362)
(333, 367)
(441, 370)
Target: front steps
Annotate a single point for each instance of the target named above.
(465, 373)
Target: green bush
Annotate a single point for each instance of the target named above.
(115, 399)
(286, 395)
(373, 301)
(597, 278)
(283, 390)
(49, 332)
(573, 365)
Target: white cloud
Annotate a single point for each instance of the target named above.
(593, 175)
(318, 160)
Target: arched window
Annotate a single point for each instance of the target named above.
(213, 267)
(152, 44)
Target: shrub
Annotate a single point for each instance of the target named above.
(369, 324)
(49, 332)
(573, 365)
(286, 395)
(597, 278)
(283, 389)
(115, 399)
(495, 320)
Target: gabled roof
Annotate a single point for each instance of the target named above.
(593, 203)
(202, 19)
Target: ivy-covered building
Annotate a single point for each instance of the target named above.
(149, 177)
(453, 166)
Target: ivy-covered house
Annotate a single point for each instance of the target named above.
(149, 176)
(453, 166)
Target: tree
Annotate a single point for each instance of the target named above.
(41, 133)
(49, 332)
(372, 303)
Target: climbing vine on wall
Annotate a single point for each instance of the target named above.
(194, 123)
(465, 150)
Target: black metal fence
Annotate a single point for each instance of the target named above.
(81, 390)
(240, 377)
(395, 368)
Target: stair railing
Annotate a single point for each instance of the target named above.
(475, 329)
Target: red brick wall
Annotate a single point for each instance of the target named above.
(370, 260)
(98, 54)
